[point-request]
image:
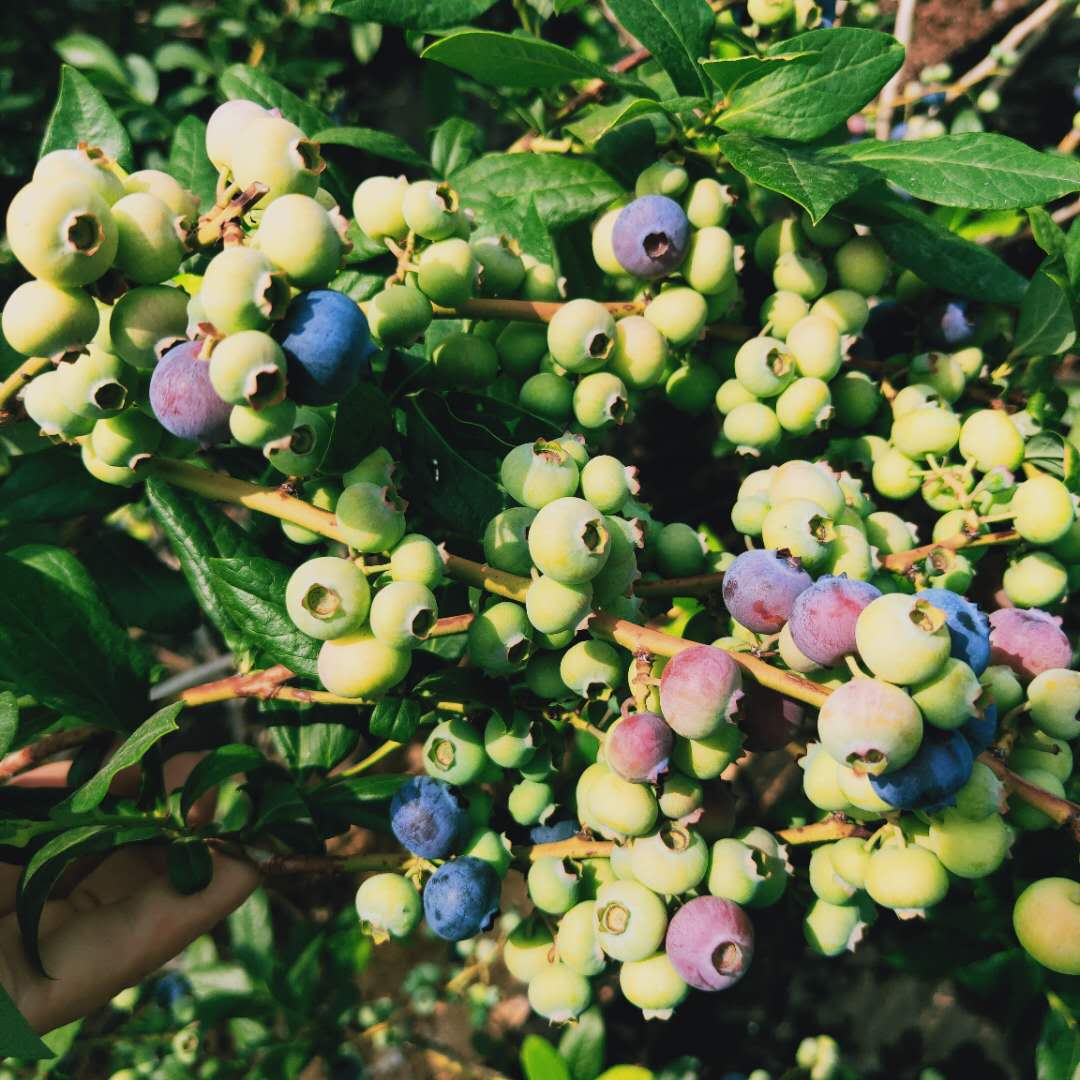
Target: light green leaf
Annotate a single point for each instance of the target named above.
(412, 14)
(456, 142)
(676, 33)
(188, 162)
(1072, 258)
(1046, 232)
(90, 53)
(804, 100)
(377, 143)
(541, 1061)
(599, 120)
(980, 171)
(582, 1045)
(81, 114)
(731, 71)
(1046, 326)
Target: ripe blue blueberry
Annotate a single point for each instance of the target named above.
(326, 341)
(183, 398)
(969, 628)
(980, 731)
(461, 898)
(427, 818)
(940, 768)
(651, 236)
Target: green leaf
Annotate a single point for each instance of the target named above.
(1072, 258)
(59, 643)
(1046, 232)
(540, 1060)
(804, 100)
(522, 62)
(9, 721)
(1050, 453)
(81, 114)
(582, 1045)
(357, 286)
(456, 142)
(395, 718)
(232, 759)
(130, 752)
(91, 54)
(190, 866)
(252, 933)
(1057, 1054)
(188, 162)
(314, 746)
(801, 173)
(252, 592)
(1046, 326)
(978, 170)
(412, 14)
(377, 143)
(675, 33)
(565, 189)
(198, 532)
(364, 421)
(17, 1038)
(50, 860)
(240, 81)
(731, 71)
(602, 119)
(53, 486)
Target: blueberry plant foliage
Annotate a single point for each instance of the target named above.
(429, 378)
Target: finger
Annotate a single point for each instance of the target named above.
(52, 775)
(97, 954)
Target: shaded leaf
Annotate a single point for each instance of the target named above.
(90, 53)
(363, 422)
(54, 486)
(455, 143)
(582, 1045)
(598, 121)
(412, 14)
(1046, 326)
(395, 718)
(377, 143)
(675, 33)
(252, 934)
(81, 114)
(190, 866)
(221, 763)
(1057, 1053)
(188, 162)
(731, 71)
(314, 746)
(9, 720)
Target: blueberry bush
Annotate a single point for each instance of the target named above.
(629, 536)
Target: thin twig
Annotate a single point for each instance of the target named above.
(23, 374)
(902, 30)
(19, 761)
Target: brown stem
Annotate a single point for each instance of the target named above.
(19, 761)
(451, 624)
(24, 373)
(699, 585)
(902, 561)
(832, 828)
(212, 224)
(1061, 811)
(499, 582)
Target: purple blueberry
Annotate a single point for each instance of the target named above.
(638, 746)
(969, 628)
(699, 689)
(651, 236)
(955, 325)
(940, 768)
(327, 344)
(980, 731)
(183, 399)
(710, 942)
(823, 618)
(554, 833)
(427, 818)
(760, 588)
(461, 898)
(1029, 641)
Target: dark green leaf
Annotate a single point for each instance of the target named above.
(804, 100)
(602, 119)
(357, 286)
(1046, 326)
(188, 162)
(520, 61)
(540, 1060)
(240, 81)
(190, 866)
(412, 14)
(1072, 258)
(1046, 232)
(221, 763)
(198, 532)
(1052, 454)
(252, 934)
(534, 237)
(980, 171)
(364, 421)
(582, 1045)
(314, 746)
(368, 788)
(9, 720)
(17, 1038)
(90, 53)
(130, 752)
(81, 114)
(731, 71)
(675, 33)
(59, 643)
(277, 801)
(252, 592)
(455, 143)
(49, 862)
(376, 143)
(395, 718)
(1057, 1054)
(801, 173)
(53, 486)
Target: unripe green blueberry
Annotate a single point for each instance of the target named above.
(554, 885)
(581, 336)
(708, 203)
(509, 746)
(1035, 580)
(88, 166)
(829, 232)
(764, 366)
(781, 311)
(44, 405)
(731, 395)
(902, 639)
(447, 272)
(679, 796)
(542, 673)
(679, 314)
(895, 475)
(692, 387)
(275, 152)
(631, 920)
(1054, 701)
(606, 483)
(359, 665)
(906, 879)
(377, 207)
(805, 406)
(303, 451)
(430, 209)
(769, 12)
(521, 346)
(775, 239)
(542, 282)
(591, 667)
(948, 697)
(124, 439)
(225, 127)
(548, 395)
(827, 884)
(772, 858)
(150, 243)
(553, 607)
(821, 783)
(327, 597)
(814, 343)
(1028, 817)
(501, 269)
(529, 949)
(181, 202)
(94, 386)
(914, 397)
(403, 613)
(301, 239)
(806, 480)
(371, 518)
(737, 871)
(971, 361)
(982, 795)
(260, 427)
(248, 368)
(500, 638)
(454, 752)
(850, 860)
(856, 398)
(1003, 687)
(845, 307)
(670, 861)
(800, 527)
(241, 290)
(640, 353)
(377, 468)
(662, 177)
(118, 476)
(801, 274)
(398, 315)
(709, 267)
(870, 726)
(415, 558)
(1043, 509)
(569, 541)
(926, 430)
(1046, 919)
(536, 474)
(559, 994)
(465, 360)
(506, 545)
(680, 551)
(146, 322)
(602, 250)
(969, 849)
(576, 940)
(831, 930)
(600, 399)
(940, 371)
(752, 427)
(322, 493)
(530, 801)
(41, 319)
(388, 906)
(490, 847)
(62, 232)
(653, 985)
(706, 758)
(862, 265)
